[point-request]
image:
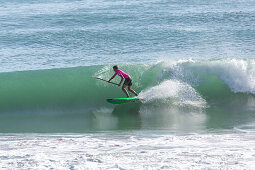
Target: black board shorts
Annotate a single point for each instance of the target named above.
(128, 82)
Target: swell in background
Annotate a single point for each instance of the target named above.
(36, 34)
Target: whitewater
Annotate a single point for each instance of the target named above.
(192, 63)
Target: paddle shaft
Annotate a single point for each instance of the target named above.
(106, 81)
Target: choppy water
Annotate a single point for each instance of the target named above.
(38, 34)
(192, 62)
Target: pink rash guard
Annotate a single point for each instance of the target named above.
(120, 72)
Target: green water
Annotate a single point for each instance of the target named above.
(71, 100)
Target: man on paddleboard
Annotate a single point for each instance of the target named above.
(127, 82)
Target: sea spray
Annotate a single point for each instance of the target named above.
(179, 93)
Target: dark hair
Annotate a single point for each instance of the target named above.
(115, 67)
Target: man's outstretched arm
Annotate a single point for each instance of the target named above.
(112, 78)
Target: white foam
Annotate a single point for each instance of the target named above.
(238, 74)
(128, 151)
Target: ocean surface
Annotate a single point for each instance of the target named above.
(192, 62)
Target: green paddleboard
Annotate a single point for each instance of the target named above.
(122, 100)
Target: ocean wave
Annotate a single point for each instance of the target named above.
(179, 81)
(184, 90)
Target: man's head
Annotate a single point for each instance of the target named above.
(115, 68)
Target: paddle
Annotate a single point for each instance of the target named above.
(106, 81)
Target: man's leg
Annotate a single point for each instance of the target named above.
(132, 91)
(125, 91)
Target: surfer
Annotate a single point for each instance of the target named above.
(127, 82)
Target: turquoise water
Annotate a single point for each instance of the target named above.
(204, 94)
(192, 62)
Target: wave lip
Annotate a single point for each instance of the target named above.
(237, 74)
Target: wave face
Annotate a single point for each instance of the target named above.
(212, 94)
